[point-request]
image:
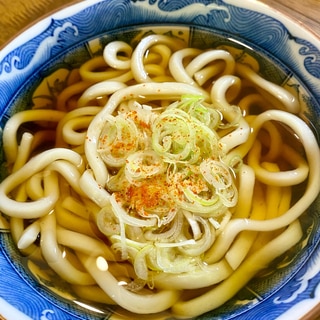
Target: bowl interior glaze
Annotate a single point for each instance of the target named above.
(286, 55)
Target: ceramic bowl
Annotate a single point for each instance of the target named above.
(287, 53)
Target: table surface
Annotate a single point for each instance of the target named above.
(20, 13)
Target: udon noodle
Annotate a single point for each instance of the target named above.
(161, 178)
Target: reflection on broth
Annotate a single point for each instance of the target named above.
(158, 175)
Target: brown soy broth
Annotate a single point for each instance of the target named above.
(38, 268)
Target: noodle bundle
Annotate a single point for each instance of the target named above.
(162, 178)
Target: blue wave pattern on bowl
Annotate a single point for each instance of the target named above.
(256, 29)
(269, 34)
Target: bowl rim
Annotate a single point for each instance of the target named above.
(289, 22)
(27, 32)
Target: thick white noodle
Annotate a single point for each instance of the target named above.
(10, 146)
(55, 257)
(137, 303)
(95, 191)
(111, 51)
(29, 235)
(100, 89)
(83, 243)
(177, 69)
(38, 208)
(24, 150)
(230, 86)
(137, 59)
(195, 279)
(288, 100)
(310, 145)
(211, 56)
(282, 178)
(247, 270)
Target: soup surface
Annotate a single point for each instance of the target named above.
(160, 171)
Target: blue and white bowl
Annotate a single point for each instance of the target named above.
(69, 37)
